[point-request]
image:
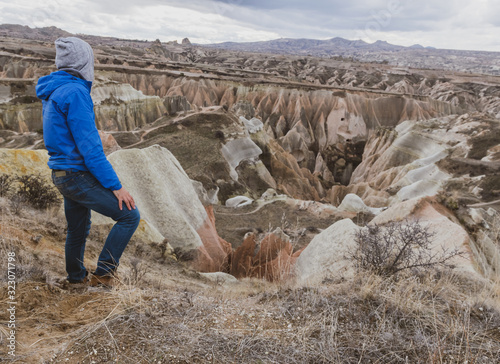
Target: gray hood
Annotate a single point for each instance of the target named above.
(75, 56)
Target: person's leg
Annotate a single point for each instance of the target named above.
(78, 224)
(103, 201)
(118, 238)
(82, 188)
(78, 218)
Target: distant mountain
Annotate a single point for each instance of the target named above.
(25, 32)
(308, 46)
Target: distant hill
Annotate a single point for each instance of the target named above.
(25, 32)
(308, 46)
(415, 56)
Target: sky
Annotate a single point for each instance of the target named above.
(449, 24)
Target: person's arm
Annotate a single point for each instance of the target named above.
(81, 121)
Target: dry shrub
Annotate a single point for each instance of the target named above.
(27, 268)
(36, 192)
(5, 185)
(398, 246)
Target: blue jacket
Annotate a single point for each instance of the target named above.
(69, 130)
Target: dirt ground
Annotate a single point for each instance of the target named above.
(301, 225)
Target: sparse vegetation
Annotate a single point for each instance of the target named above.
(398, 246)
(5, 185)
(33, 190)
(30, 190)
(16, 203)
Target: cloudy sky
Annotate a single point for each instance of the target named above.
(452, 24)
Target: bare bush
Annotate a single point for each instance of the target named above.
(26, 266)
(398, 246)
(5, 185)
(36, 192)
(137, 271)
(17, 202)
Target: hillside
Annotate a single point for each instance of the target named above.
(415, 56)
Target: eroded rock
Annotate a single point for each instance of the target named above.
(168, 201)
(327, 254)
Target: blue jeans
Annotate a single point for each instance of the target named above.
(82, 193)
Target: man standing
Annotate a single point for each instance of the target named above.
(80, 169)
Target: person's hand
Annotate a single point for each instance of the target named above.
(123, 196)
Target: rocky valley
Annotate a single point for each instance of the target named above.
(255, 172)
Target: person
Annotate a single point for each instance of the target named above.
(80, 170)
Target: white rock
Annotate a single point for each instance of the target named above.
(106, 90)
(220, 278)
(163, 192)
(238, 150)
(269, 194)
(477, 216)
(253, 125)
(448, 234)
(421, 182)
(354, 203)
(326, 255)
(209, 197)
(239, 201)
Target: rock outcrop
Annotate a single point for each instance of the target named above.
(109, 143)
(22, 162)
(354, 203)
(327, 254)
(168, 201)
(121, 107)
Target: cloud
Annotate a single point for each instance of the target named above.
(457, 23)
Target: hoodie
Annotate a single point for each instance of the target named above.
(75, 56)
(69, 129)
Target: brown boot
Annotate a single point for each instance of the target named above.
(107, 280)
(65, 284)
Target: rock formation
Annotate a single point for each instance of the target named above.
(295, 136)
(327, 254)
(21, 162)
(176, 212)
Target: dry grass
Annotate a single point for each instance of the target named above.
(165, 313)
(367, 320)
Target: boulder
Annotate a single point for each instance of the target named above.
(369, 195)
(326, 256)
(220, 278)
(207, 198)
(253, 125)
(168, 201)
(24, 161)
(239, 201)
(238, 150)
(354, 203)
